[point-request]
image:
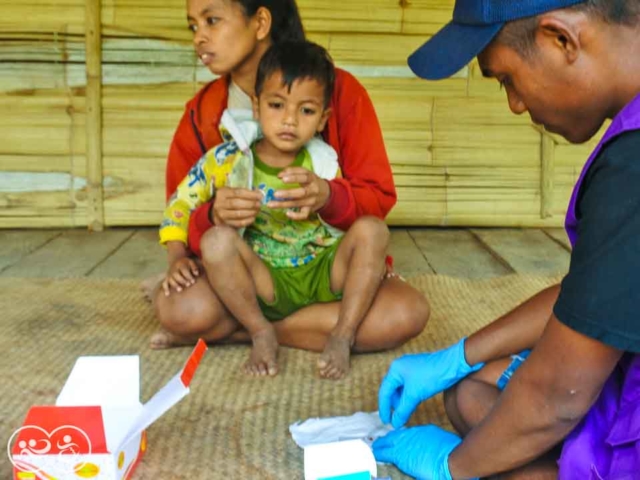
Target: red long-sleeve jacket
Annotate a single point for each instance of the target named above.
(366, 187)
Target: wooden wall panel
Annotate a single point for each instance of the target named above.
(352, 16)
(61, 16)
(425, 17)
(42, 159)
(134, 190)
(458, 154)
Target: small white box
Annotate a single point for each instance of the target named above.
(96, 430)
(346, 460)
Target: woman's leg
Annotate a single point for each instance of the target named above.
(399, 313)
(194, 313)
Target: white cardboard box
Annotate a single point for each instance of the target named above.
(96, 430)
(345, 460)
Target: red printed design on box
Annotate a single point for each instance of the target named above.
(96, 430)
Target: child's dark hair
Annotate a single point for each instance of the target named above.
(296, 61)
(286, 24)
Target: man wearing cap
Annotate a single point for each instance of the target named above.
(570, 409)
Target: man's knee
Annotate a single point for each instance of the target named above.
(450, 400)
(468, 402)
(219, 243)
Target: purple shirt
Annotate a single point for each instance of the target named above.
(628, 119)
(606, 443)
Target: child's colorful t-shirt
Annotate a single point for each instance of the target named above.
(274, 237)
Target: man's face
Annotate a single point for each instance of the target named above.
(558, 95)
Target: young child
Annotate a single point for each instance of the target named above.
(286, 259)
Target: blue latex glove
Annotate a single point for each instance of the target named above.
(422, 452)
(412, 379)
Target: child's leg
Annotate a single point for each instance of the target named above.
(237, 276)
(357, 271)
(399, 313)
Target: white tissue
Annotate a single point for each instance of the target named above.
(359, 426)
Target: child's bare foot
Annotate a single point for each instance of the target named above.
(334, 361)
(264, 354)
(163, 339)
(150, 284)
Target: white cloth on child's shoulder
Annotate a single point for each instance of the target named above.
(359, 426)
(238, 99)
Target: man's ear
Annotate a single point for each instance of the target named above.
(562, 33)
(264, 23)
(255, 104)
(323, 121)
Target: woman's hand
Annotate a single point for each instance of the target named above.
(310, 196)
(235, 207)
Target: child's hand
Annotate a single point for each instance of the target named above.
(312, 194)
(181, 274)
(299, 213)
(236, 207)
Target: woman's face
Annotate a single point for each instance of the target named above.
(224, 38)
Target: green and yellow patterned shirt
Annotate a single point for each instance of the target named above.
(274, 237)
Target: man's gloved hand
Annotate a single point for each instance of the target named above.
(412, 379)
(422, 452)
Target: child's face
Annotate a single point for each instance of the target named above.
(289, 119)
(223, 37)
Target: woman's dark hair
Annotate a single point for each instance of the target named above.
(296, 61)
(520, 35)
(286, 23)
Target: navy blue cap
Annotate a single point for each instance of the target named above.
(475, 23)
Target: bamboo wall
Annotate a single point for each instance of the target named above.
(84, 141)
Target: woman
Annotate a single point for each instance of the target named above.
(230, 37)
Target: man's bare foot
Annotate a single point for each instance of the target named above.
(334, 361)
(163, 339)
(150, 284)
(264, 354)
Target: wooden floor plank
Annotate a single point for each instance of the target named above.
(526, 250)
(560, 236)
(72, 254)
(457, 253)
(139, 257)
(15, 244)
(407, 258)
(128, 253)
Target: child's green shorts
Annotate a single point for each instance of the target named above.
(297, 287)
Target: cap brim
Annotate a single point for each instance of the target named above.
(449, 50)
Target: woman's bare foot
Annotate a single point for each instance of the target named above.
(264, 354)
(334, 361)
(149, 286)
(163, 339)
